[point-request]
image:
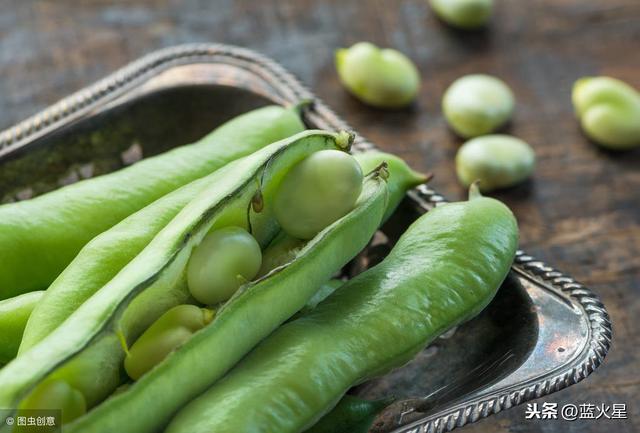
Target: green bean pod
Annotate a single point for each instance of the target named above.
(87, 345)
(323, 293)
(443, 271)
(40, 237)
(239, 324)
(14, 313)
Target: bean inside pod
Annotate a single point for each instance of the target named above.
(166, 334)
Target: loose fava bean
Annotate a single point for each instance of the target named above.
(464, 14)
(352, 414)
(383, 78)
(224, 260)
(316, 192)
(477, 104)
(56, 394)
(165, 335)
(609, 111)
(497, 161)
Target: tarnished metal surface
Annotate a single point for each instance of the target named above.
(543, 331)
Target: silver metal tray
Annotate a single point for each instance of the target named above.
(543, 331)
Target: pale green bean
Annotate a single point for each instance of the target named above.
(225, 259)
(477, 104)
(609, 111)
(464, 14)
(497, 161)
(166, 334)
(383, 78)
(316, 192)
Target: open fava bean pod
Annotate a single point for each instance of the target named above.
(85, 351)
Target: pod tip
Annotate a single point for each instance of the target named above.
(421, 178)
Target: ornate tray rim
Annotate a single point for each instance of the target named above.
(118, 83)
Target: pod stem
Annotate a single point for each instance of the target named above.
(256, 204)
(344, 139)
(474, 190)
(257, 201)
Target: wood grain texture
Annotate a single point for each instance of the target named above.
(581, 211)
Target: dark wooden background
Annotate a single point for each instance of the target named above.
(581, 212)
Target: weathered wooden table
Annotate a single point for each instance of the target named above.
(581, 212)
